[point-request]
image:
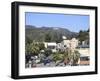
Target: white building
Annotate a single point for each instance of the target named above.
(51, 45)
(71, 44)
(59, 47)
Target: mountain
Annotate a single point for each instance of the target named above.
(29, 27)
(53, 33)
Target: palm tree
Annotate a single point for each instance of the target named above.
(71, 57)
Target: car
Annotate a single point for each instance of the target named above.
(46, 61)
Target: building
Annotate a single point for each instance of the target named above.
(51, 45)
(84, 54)
(59, 47)
(71, 44)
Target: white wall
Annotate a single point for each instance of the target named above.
(5, 40)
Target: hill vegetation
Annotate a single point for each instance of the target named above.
(47, 34)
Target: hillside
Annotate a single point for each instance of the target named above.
(53, 33)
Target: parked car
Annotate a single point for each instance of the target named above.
(46, 61)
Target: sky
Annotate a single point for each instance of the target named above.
(72, 22)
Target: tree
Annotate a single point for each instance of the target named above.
(57, 57)
(28, 40)
(58, 37)
(88, 30)
(47, 38)
(41, 46)
(76, 57)
(27, 49)
(32, 48)
(83, 36)
(71, 57)
(47, 52)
